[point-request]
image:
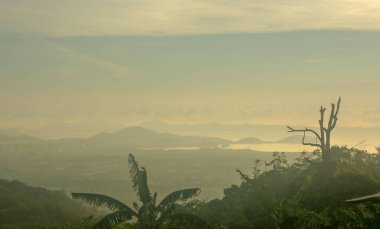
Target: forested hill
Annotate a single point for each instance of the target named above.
(306, 193)
(22, 206)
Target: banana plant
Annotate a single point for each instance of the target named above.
(149, 215)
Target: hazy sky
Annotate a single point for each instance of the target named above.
(130, 17)
(267, 62)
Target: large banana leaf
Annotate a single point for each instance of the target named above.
(103, 200)
(140, 180)
(111, 220)
(182, 194)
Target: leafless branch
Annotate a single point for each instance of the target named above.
(335, 117)
(309, 144)
(332, 113)
(291, 129)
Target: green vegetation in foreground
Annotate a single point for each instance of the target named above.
(23, 207)
(167, 214)
(305, 194)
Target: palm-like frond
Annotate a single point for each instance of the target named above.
(182, 194)
(139, 180)
(133, 165)
(103, 200)
(373, 198)
(188, 218)
(147, 215)
(143, 188)
(111, 220)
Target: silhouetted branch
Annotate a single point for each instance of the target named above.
(309, 144)
(304, 131)
(335, 116)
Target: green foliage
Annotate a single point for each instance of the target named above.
(364, 215)
(79, 223)
(304, 194)
(22, 206)
(167, 214)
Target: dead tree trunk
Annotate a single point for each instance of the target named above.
(324, 135)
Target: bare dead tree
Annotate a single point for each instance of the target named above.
(324, 135)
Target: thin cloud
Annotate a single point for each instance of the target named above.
(114, 17)
(119, 70)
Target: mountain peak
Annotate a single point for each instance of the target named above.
(142, 137)
(134, 129)
(251, 140)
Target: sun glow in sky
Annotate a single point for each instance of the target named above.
(246, 61)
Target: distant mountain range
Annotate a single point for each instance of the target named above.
(141, 137)
(251, 140)
(229, 131)
(296, 139)
(247, 133)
